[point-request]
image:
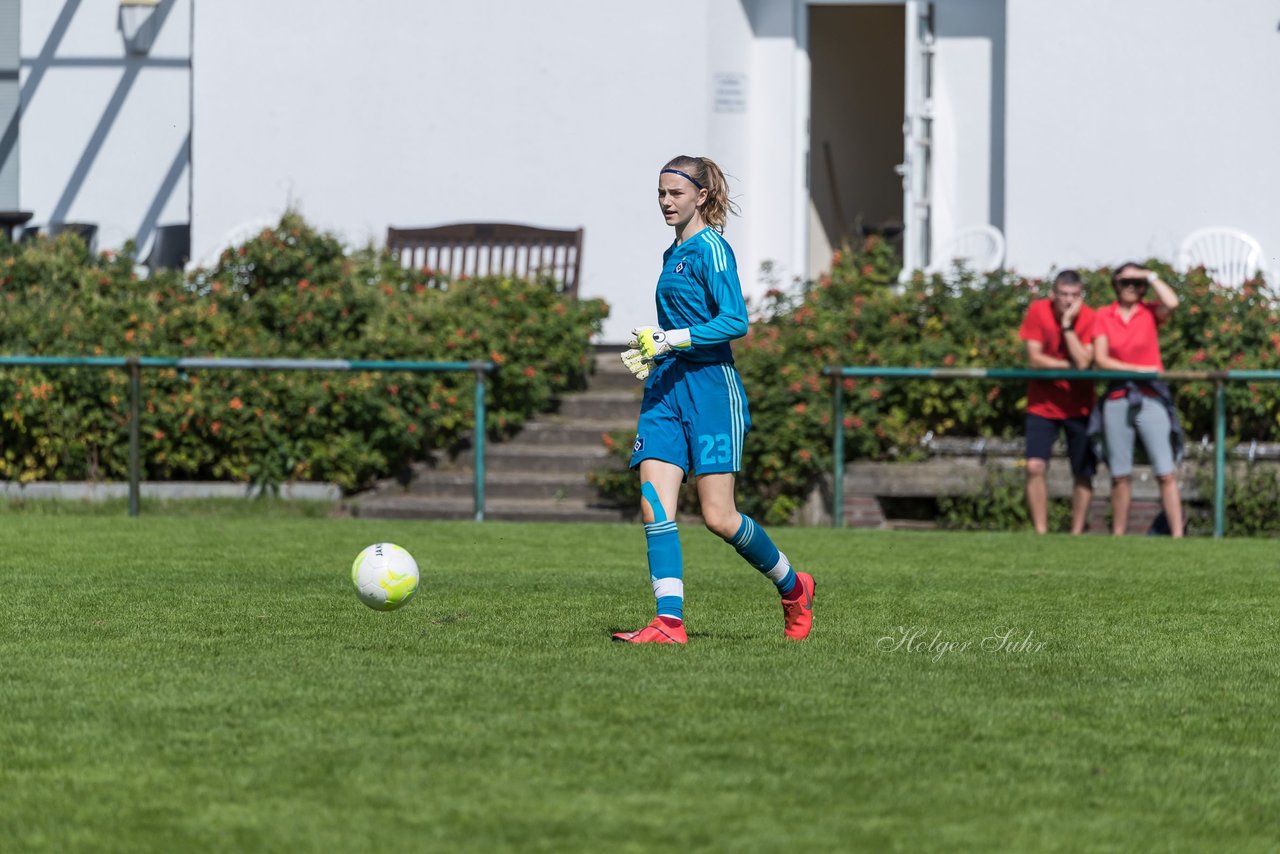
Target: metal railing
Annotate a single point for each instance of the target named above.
(1218, 378)
(135, 364)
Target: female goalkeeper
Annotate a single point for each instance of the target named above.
(694, 414)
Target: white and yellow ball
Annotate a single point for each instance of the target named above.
(385, 576)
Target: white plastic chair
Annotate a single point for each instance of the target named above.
(235, 238)
(1228, 254)
(979, 249)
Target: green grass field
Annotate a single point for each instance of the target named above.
(212, 684)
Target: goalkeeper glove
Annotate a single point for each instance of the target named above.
(648, 343)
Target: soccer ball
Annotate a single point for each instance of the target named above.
(385, 575)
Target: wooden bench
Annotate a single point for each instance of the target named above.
(492, 249)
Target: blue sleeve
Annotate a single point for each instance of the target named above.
(728, 309)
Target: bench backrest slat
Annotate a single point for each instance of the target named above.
(492, 249)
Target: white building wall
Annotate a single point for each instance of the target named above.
(1132, 124)
(553, 113)
(103, 134)
(968, 117)
(774, 193)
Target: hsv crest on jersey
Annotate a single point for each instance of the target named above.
(680, 267)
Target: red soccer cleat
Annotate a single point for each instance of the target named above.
(656, 632)
(798, 612)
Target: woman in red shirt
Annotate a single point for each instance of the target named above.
(1126, 339)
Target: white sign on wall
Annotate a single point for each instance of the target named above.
(729, 92)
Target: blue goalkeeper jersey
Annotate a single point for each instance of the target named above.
(699, 291)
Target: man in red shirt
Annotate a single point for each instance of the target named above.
(1058, 331)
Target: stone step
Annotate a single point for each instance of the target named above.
(540, 474)
(610, 380)
(557, 430)
(566, 459)
(547, 486)
(601, 406)
(496, 509)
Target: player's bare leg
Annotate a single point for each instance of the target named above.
(1081, 498)
(1038, 494)
(1171, 502)
(1121, 497)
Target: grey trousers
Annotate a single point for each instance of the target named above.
(1151, 422)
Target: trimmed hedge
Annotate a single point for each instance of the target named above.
(291, 292)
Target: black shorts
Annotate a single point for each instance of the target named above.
(1043, 432)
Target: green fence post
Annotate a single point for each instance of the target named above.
(135, 407)
(477, 444)
(1219, 457)
(837, 451)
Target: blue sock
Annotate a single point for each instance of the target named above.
(757, 549)
(666, 568)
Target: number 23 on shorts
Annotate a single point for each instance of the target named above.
(715, 448)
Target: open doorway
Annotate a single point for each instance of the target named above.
(857, 79)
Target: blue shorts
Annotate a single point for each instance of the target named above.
(693, 416)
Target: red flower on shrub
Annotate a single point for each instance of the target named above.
(236, 403)
(215, 428)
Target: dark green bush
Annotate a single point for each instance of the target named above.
(1000, 505)
(291, 292)
(1251, 498)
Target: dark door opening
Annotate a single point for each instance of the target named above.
(857, 80)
